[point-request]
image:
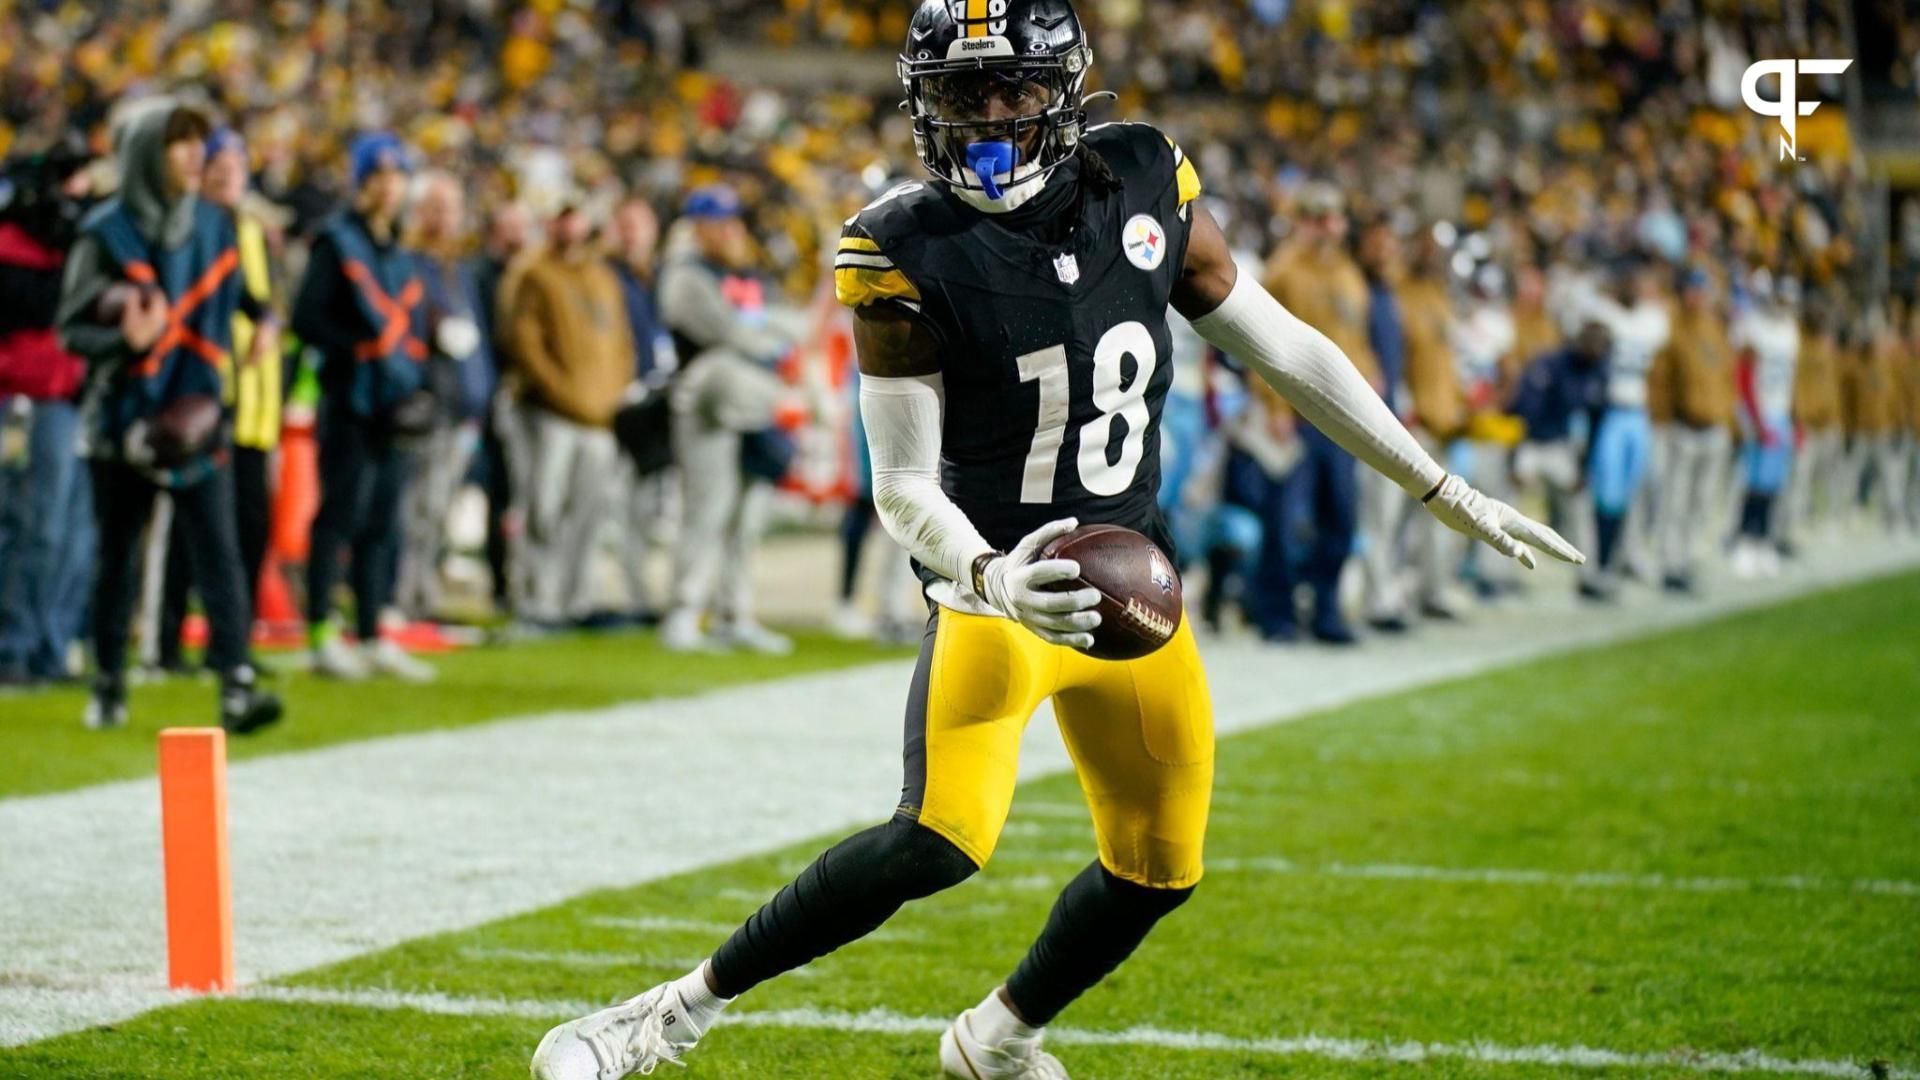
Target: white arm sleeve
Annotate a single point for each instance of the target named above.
(1317, 378)
(902, 417)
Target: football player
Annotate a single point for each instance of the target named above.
(1011, 326)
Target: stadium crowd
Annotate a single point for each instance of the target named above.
(1547, 232)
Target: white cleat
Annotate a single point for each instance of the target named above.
(753, 637)
(964, 1056)
(335, 659)
(629, 1039)
(681, 633)
(386, 657)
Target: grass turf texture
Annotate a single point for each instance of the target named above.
(1773, 744)
(49, 750)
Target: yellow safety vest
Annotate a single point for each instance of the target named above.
(253, 391)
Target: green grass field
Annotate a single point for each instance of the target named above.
(1702, 843)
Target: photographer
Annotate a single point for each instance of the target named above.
(148, 300)
(46, 524)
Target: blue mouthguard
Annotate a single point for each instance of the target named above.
(988, 160)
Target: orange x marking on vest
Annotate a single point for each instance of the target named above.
(177, 334)
(398, 311)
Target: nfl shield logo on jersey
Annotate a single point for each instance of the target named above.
(1145, 242)
(1067, 267)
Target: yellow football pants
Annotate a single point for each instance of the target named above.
(1140, 733)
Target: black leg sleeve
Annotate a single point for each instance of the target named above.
(845, 895)
(1097, 923)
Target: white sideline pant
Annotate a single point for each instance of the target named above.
(1814, 493)
(560, 471)
(723, 517)
(439, 470)
(1882, 459)
(1384, 520)
(1692, 493)
(1552, 470)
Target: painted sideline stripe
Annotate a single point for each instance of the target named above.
(882, 1022)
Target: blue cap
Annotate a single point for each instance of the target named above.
(375, 150)
(223, 140)
(711, 202)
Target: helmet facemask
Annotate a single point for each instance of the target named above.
(993, 130)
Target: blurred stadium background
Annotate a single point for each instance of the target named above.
(1656, 821)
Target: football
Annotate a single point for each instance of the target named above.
(1139, 592)
(184, 429)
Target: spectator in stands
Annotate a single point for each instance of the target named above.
(461, 374)
(1767, 336)
(1876, 469)
(642, 501)
(46, 516)
(1314, 277)
(1638, 325)
(361, 305)
(1561, 398)
(570, 360)
(725, 400)
(1695, 374)
(1384, 509)
(1815, 484)
(1438, 404)
(148, 300)
(509, 232)
(1911, 351)
(255, 388)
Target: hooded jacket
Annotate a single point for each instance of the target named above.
(179, 244)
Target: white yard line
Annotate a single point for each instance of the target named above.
(1559, 879)
(878, 1022)
(353, 848)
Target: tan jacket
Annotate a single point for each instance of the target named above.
(1816, 384)
(1911, 351)
(1695, 373)
(1871, 388)
(1534, 333)
(568, 338)
(1327, 291)
(1433, 378)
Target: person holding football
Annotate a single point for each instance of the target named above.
(1011, 326)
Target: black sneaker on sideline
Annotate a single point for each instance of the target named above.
(107, 708)
(244, 707)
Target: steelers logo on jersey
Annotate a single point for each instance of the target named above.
(1144, 241)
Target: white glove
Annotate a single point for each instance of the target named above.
(1500, 526)
(1014, 583)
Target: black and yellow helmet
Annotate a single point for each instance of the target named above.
(995, 91)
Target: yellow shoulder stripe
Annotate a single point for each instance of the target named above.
(857, 243)
(858, 286)
(1184, 172)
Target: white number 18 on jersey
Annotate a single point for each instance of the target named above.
(1048, 367)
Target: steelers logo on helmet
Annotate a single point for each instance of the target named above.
(994, 88)
(1144, 241)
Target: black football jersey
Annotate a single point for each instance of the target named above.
(1055, 356)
